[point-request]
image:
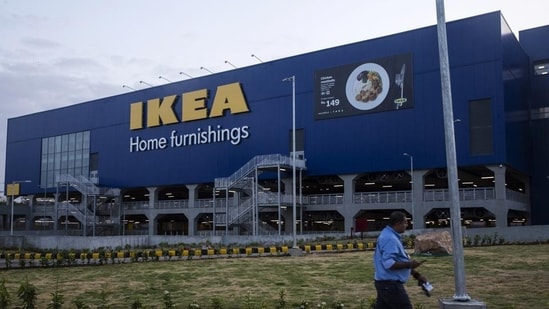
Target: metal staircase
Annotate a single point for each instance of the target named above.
(257, 162)
(245, 180)
(76, 211)
(80, 183)
(87, 188)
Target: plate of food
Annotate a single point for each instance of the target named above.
(367, 86)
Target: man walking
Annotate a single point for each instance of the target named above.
(393, 266)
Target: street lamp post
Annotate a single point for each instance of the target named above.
(229, 63)
(144, 82)
(292, 79)
(162, 77)
(206, 69)
(412, 186)
(256, 57)
(14, 190)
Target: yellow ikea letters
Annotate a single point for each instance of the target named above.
(159, 112)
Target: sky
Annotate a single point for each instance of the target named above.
(57, 53)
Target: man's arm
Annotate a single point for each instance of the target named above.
(419, 277)
(412, 264)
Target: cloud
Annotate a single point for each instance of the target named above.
(40, 43)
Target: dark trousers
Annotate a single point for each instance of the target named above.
(392, 295)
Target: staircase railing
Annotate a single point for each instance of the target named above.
(257, 161)
(80, 183)
(244, 178)
(234, 214)
(75, 211)
(87, 188)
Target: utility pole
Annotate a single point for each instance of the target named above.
(460, 299)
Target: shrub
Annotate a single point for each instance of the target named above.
(80, 304)
(103, 303)
(56, 299)
(137, 304)
(281, 299)
(168, 303)
(216, 303)
(27, 294)
(4, 294)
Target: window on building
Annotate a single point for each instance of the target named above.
(64, 154)
(481, 128)
(541, 67)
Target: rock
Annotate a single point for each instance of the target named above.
(438, 243)
(295, 252)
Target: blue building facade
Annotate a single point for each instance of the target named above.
(215, 154)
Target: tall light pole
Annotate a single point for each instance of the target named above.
(412, 186)
(460, 294)
(292, 79)
(13, 190)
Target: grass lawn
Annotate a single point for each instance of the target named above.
(508, 276)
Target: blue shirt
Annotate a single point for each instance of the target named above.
(389, 249)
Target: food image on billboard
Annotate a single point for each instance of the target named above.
(367, 86)
(371, 86)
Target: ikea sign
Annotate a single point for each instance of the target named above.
(160, 112)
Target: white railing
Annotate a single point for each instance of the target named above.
(324, 199)
(75, 210)
(135, 205)
(80, 183)
(172, 204)
(332, 199)
(382, 197)
(258, 161)
(472, 194)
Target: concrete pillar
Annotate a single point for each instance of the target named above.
(499, 181)
(152, 214)
(152, 196)
(500, 209)
(288, 219)
(29, 217)
(152, 223)
(347, 209)
(192, 224)
(287, 214)
(287, 186)
(454, 304)
(418, 185)
(193, 189)
(121, 209)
